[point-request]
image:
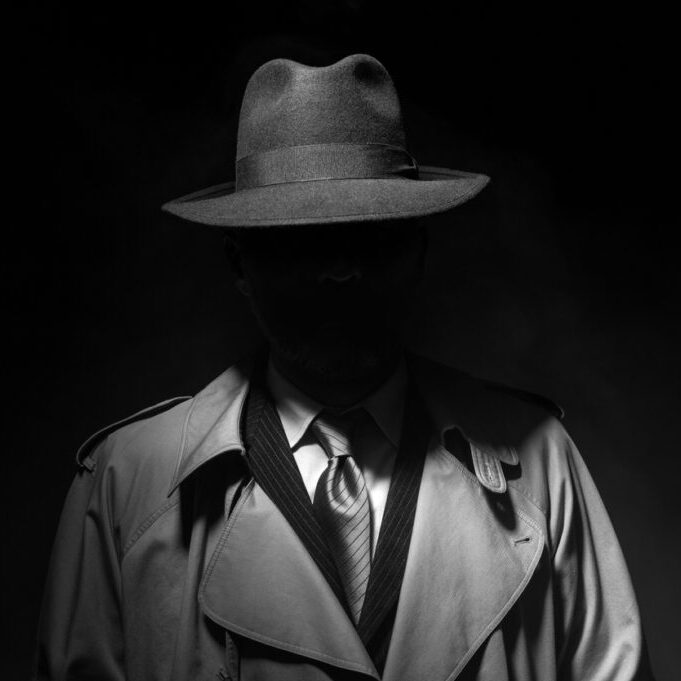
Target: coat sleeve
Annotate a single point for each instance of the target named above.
(599, 634)
(79, 633)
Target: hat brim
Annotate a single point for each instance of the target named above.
(330, 201)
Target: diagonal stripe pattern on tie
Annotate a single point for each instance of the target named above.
(341, 503)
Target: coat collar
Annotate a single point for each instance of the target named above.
(212, 425)
(454, 400)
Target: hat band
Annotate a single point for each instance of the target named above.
(310, 162)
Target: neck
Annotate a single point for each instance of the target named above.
(335, 393)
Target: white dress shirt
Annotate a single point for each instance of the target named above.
(374, 447)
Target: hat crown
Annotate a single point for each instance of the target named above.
(288, 104)
(322, 145)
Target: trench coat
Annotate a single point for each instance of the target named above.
(170, 563)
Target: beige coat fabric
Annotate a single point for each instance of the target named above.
(169, 565)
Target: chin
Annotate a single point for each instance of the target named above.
(339, 363)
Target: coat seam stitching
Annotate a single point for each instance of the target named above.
(183, 440)
(147, 523)
(211, 567)
(509, 603)
(521, 489)
(231, 520)
(323, 657)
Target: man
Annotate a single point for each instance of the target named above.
(334, 507)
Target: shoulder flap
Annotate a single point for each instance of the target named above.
(83, 456)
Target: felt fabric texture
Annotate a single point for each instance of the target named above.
(321, 145)
(310, 162)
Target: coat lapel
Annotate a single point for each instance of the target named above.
(466, 568)
(272, 577)
(262, 583)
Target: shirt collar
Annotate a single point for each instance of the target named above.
(297, 410)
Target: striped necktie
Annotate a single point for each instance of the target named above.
(341, 502)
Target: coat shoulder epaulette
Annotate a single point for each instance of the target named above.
(530, 397)
(84, 457)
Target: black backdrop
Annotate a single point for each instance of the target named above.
(561, 278)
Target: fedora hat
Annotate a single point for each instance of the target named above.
(321, 145)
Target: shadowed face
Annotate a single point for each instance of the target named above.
(331, 299)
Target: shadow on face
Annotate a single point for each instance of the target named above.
(331, 297)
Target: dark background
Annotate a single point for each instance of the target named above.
(561, 278)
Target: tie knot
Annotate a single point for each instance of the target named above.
(336, 431)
